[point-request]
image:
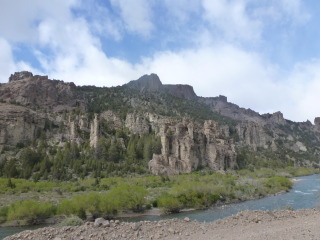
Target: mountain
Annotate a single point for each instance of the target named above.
(53, 129)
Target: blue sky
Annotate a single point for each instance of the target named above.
(261, 54)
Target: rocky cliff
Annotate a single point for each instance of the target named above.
(187, 146)
(39, 92)
(152, 83)
(195, 132)
(19, 124)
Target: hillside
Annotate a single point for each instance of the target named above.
(50, 129)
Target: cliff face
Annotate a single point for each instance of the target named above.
(187, 146)
(18, 124)
(34, 108)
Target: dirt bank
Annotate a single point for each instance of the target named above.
(281, 224)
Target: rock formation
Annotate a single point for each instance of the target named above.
(187, 146)
(152, 83)
(253, 135)
(94, 131)
(137, 124)
(24, 75)
(147, 83)
(40, 92)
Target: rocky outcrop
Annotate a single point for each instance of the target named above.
(152, 83)
(147, 83)
(24, 75)
(317, 123)
(94, 131)
(113, 119)
(137, 124)
(187, 146)
(40, 92)
(77, 126)
(180, 90)
(221, 106)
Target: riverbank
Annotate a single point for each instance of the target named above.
(114, 196)
(279, 224)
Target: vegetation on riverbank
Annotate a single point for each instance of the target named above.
(108, 197)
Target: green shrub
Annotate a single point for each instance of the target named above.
(169, 204)
(129, 196)
(277, 184)
(71, 221)
(122, 197)
(81, 204)
(30, 210)
(3, 214)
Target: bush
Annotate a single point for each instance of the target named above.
(30, 210)
(169, 204)
(129, 196)
(81, 204)
(3, 214)
(122, 197)
(71, 221)
(278, 183)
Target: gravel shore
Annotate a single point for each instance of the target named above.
(246, 225)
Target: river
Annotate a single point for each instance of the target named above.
(304, 194)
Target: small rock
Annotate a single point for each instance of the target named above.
(116, 221)
(136, 226)
(106, 223)
(98, 222)
(186, 219)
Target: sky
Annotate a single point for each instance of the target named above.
(261, 54)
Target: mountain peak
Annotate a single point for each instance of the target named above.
(20, 76)
(147, 83)
(152, 83)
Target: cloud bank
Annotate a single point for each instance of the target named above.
(219, 47)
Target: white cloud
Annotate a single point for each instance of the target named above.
(136, 15)
(245, 78)
(231, 17)
(69, 48)
(294, 10)
(303, 91)
(7, 65)
(18, 18)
